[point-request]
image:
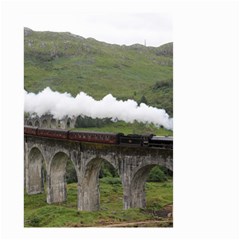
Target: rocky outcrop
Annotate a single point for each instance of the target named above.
(27, 31)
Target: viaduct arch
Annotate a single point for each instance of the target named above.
(48, 121)
(132, 164)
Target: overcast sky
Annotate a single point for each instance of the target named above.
(124, 28)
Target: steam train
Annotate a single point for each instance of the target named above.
(146, 140)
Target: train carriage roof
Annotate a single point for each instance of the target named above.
(53, 130)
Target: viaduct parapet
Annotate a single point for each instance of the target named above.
(48, 121)
(133, 165)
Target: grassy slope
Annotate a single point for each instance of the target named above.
(37, 213)
(68, 63)
(130, 128)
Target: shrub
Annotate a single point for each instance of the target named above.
(107, 170)
(157, 175)
(34, 221)
(163, 84)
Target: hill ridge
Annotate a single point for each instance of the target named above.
(29, 30)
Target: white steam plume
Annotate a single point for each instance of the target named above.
(63, 104)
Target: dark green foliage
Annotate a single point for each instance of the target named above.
(34, 221)
(84, 121)
(163, 84)
(107, 170)
(26, 115)
(167, 172)
(157, 175)
(71, 175)
(162, 95)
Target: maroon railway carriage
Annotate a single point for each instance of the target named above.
(146, 140)
(109, 138)
(52, 133)
(30, 130)
(82, 136)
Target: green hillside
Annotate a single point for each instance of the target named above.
(69, 63)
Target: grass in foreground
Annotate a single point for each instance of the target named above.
(37, 213)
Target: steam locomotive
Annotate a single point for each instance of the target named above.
(146, 140)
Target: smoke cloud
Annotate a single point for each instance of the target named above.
(63, 104)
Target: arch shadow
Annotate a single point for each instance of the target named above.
(53, 123)
(44, 123)
(37, 123)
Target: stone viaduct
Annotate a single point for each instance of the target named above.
(48, 121)
(133, 165)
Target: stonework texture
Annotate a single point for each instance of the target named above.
(133, 165)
